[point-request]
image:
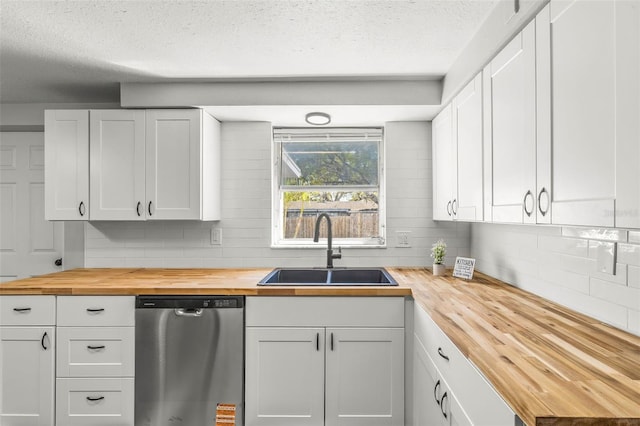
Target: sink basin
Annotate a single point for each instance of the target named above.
(329, 277)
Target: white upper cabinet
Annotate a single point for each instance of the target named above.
(628, 113)
(457, 157)
(182, 165)
(595, 100)
(467, 204)
(144, 165)
(510, 131)
(66, 170)
(444, 174)
(117, 163)
(583, 70)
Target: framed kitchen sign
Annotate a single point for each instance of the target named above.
(464, 267)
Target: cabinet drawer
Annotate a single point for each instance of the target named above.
(91, 311)
(481, 402)
(88, 402)
(95, 351)
(27, 310)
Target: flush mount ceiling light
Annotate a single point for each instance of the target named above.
(317, 118)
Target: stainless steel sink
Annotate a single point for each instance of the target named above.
(329, 277)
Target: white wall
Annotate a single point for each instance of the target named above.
(558, 263)
(246, 214)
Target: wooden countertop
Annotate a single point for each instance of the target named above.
(116, 281)
(552, 365)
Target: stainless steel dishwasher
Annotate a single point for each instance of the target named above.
(189, 359)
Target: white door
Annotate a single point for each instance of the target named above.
(117, 145)
(444, 163)
(364, 377)
(427, 388)
(284, 376)
(467, 119)
(29, 245)
(27, 376)
(510, 128)
(583, 72)
(173, 169)
(66, 134)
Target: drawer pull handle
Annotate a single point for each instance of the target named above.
(138, 208)
(95, 348)
(95, 310)
(22, 309)
(331, 341)
(442, 409)
(42, 341)
(81, 209)
(449, 208)
(149, 209)
(442, 354)
(94, 399)
(435, 392)
(317, 341)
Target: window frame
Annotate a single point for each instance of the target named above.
(278, 190)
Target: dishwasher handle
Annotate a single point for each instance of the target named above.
(182, 312)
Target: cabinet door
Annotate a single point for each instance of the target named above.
(467, 119)
(27, 376)
(364, 376)
(427, 388)
(583, 72)
(627, 113)
(173, 166)
(510, 130)
(66, 155)
(284, 376)
(117, 165)
(444, 163)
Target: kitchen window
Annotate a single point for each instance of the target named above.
(337, 171)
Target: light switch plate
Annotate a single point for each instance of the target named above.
(403, 239)
(216, 236)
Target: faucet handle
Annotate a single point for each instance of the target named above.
(338, 255)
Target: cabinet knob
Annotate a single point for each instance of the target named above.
(58, 262)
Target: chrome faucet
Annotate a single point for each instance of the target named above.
(316, 236)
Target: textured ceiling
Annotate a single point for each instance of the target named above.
(78, 51)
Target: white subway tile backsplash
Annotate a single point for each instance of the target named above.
(595, 233)
(572, 246)
(629, 254)
(621, 295)
(634, 237)
(633, 276)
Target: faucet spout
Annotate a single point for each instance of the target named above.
(316, 237)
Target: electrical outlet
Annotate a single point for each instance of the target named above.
(216, 236)
(403, 239)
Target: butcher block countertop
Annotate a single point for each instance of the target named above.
(552, 365)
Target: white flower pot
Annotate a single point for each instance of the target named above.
(438, 269)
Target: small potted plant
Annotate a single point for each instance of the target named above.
(438, 251)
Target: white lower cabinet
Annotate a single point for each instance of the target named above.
(27, 360)
(95, 361)
(324, 361)
(441, 369)
(434, 403)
